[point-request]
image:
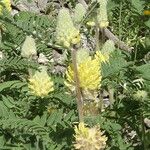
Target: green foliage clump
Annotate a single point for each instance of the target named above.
(119, 107)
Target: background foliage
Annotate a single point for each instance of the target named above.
(28, 122)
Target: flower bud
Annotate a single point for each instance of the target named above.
(28, 48)
(140, 95)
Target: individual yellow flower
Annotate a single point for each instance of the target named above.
(66, 33)
(28, 47)
(40, 83)
(89, 74)
(89, 138)
(7, 4)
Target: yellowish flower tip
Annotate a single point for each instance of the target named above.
(50, 109)
(40, 83)
(102, 58)
(89, 73)
(7, 4)
(89, 138)
(28, 47)
(102, 14)
(104, 24)
(91, 23)
(79, 13)
(66, 33)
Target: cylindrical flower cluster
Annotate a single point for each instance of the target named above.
(40, 83)
(66, 33)
(89, 74)
(28, 48)
(79, 13)
(102, 14)
(89, 138)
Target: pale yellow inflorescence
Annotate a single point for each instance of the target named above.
(102, 14)
(105, 53)
(29, 47)
(7, 4)
(79, 13)
(40, 83)
(66, 33)
(89, 138)
(89, 73)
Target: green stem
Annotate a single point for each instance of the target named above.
(77, 84)
(135, 54)
(111, 96)
(97, 34)
(143, 132)
(120, 15)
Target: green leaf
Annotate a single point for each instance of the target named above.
(144, 70)
(147, 23)
(115, 65)
(138, 5)
(7, 84)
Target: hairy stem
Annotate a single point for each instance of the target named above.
(97, 34)
(120, 20)
(111, 95)
(77, 84)
(143, 132)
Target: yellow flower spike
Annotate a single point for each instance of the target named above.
(102, 14)
(28, 47)
(89, 74)
(66, 33)
(89, 138)
(7, 4)
(40, 83)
